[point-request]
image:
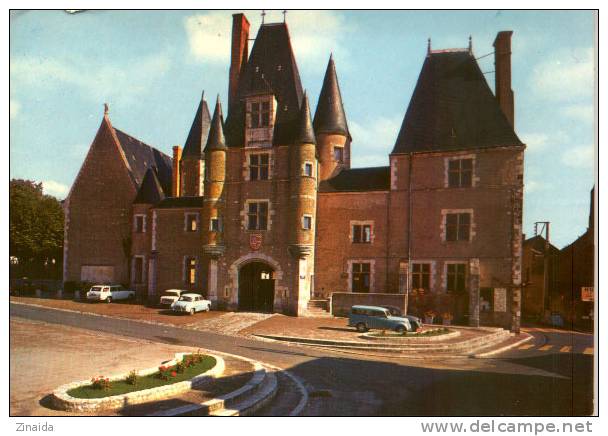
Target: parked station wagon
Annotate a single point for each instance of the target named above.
(364, 318)
(170, 296)
(109, 293)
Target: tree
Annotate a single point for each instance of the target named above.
(36, 229)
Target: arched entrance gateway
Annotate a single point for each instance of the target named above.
(256, 287)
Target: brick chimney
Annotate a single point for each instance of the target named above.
(177, 157)
(238, 55)
(502, 74)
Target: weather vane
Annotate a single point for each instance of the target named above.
(263, 15)
(284, 15)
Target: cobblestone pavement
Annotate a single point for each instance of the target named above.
(45, 356)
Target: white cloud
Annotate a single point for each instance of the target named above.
(99, 82)
(314, 35)
(534, 186)
(373, 140)
(51, 187)
(579, 157)
(579, 112)
(15, 108)
(535, 141)
(565, 75)
(209, 36)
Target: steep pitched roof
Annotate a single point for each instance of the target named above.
(330, 116)
(180, 202)
(358, 180)
(142, 156)
(216, 139)
(305, 133)
(150, 191)
(271, 68)
(453, 108)
(538, 243)
(199, 131)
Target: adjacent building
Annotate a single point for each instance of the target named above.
(261, 209)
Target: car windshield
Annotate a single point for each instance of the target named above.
(96, 288)
(186, 298)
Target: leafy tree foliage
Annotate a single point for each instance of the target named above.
(36, 227)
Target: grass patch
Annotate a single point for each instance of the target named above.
(124, 386)
(427, 333)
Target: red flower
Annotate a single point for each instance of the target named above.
(173, 373)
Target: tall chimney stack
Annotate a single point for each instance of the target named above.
(176, 182)
(502, 74)
(239, 53)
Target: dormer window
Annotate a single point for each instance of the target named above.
(260, 114)
(259, 125)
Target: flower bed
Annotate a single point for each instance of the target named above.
(102, 387)
(111, 393)
(425, 333)
(430, 335)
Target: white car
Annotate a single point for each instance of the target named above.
(191, 303)
(109, 293)
(170, 296)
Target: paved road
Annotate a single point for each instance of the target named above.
(521, 382)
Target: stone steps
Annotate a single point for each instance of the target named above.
(318, 308)
(257, 393)
(464, 347)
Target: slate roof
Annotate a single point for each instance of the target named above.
(271, 68)
(216, 139)
(150, 191)
(330, 116)
(141, 157)
(305, 133)
(358, 180)
(199, 131)
(453, 108)
(180, 202)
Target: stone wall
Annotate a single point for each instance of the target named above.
(341, 302)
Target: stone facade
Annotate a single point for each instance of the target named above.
(266, 212)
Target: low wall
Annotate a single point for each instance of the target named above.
(341, 302)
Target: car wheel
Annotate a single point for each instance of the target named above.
(109, 300)
(208, 309)
(361, 327)
(131, 296)
(400, 329)
(192, 311)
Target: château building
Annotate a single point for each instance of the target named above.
(261, 210)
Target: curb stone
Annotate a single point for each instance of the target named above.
(528, 338)
(63, 401)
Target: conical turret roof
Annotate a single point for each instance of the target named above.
(216, 139)
(330, 116)
(150, 191)
(305, 133)
(197, 138)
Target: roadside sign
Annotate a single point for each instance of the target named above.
(587, 293)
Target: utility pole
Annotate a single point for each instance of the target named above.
(541, 227)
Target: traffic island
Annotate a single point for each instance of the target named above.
(119, 391)
(458, 342)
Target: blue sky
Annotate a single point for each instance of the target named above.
(151, 67)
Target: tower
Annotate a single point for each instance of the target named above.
(303, 198)
(333, 137)
(214, 201)
(192, 163)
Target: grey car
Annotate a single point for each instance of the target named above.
(414, 320)
(364, 318)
